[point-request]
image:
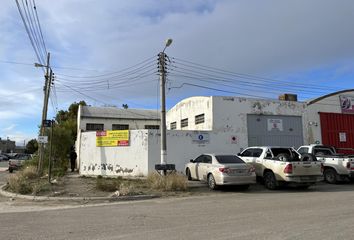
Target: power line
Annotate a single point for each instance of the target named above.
(39, 26)
(111, 73)
(28, 32)
(219, 90)
(242, 75)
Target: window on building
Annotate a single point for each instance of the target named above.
(94, 127)
(173, 125)
(152, 127)
(199, 118)
(184, 122)
(120, 126)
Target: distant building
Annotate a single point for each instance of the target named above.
(7, 146)
(111, 118)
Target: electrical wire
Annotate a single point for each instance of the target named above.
(111, 73)
(28, 32)
(210, 69)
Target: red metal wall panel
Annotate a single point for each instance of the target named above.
(338, 130)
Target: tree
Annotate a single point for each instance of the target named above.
(64, 134)
(32, 146)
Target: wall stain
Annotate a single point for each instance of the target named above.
(108, 167)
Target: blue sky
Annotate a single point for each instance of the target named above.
(302, 47)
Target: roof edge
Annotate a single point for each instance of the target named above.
(329, 95)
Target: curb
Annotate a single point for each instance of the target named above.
(47, 198)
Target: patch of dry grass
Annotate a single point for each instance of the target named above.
(171, 182)
(26, 181)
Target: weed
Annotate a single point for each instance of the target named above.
(18, 184)
(171, 182)
(29, 172)
(27, 181)
(108, 184)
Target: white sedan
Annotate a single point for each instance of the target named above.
(219, 169)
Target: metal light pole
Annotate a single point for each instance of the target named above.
(163, 102)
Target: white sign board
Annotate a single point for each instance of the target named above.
(275, 124)
(200, 137)
(42, 139)
(342, 137)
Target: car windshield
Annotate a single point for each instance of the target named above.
(228, 159)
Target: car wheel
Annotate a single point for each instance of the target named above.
(269, 180)
(211, 182)
(330, 175)
(188, 173)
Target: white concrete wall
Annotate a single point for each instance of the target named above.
(181, 147)
(329, 104)
(230, 113)
(189, 108)
(114, 161)
(133, 123)
(144, 152)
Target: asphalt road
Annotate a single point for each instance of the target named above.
(322, 212)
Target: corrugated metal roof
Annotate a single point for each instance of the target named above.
(112, 112)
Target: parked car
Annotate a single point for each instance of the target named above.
(337, 167)
(283, 165)
(17, 161)
(3, 157)
(220, 169)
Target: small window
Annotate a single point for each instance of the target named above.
(224, 159)
(173, 125)
(257, 152)
(199, 159)
(184, 122)
(94, 127)
(303, 150)
(247, 153)
(199, 118)
(120, 126)
(207, 159)
(152, 127)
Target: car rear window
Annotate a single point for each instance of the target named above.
(228, 159)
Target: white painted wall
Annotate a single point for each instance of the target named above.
(189, 108)
(133, 123)
(114, 161)
(107, 122)
(329, 104)
(144, 152)
(229, 114)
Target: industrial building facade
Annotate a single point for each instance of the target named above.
(327, 120)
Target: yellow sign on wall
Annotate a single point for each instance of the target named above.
(112, 138)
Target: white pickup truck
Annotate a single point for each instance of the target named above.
(337, 167)
(283, 165)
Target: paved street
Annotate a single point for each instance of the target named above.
(322, 212)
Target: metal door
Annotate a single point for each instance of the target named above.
(274, 130)
(338, 130)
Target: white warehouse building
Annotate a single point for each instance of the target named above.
(216, 124)
(328, 119)
(252, 121)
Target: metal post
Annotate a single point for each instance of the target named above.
(50, 153)
(163, 108)
(48, 76)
